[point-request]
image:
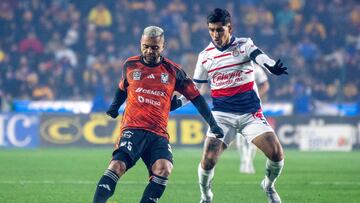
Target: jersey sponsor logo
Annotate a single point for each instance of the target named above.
(164, 78)
(151, 76)
(136, 75)
(152, 92)
(148, 101)
(220, 79)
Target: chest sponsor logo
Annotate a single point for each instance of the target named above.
(152, 92)
(151, 76)
(221, 77)
(136, 75)
(164, 78)
(148, 101)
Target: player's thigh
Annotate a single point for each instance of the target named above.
(130, 147)
(227, 122)
(269, 143)
(158, 156)
(253, 125)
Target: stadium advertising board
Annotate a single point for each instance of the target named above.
(19, 130)
(316, 133)
(100, 130)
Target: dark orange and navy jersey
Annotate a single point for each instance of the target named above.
(149, 91)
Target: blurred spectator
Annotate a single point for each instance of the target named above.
(31, 44)
(69, 50)
(100, 16)
(315, 29)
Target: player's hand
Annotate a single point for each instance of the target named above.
(277, 69)
(219, 133)
(175, 103)
(112, 112)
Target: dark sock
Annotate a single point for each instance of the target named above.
(154, 189)
(106, 186)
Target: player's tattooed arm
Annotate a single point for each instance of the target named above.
(119, 99)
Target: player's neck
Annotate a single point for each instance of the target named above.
(151, 64)
(227, 44)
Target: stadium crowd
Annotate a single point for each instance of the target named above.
(65, 49)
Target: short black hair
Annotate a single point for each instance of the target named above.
(219, 15)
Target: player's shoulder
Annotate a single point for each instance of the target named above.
(207, 51)
(133, 59)
(243, 40)
(171, 63)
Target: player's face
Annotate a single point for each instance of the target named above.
(151, 48)
(220, 34)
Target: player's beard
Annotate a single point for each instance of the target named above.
(151, 58)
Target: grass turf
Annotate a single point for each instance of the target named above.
(70, 175)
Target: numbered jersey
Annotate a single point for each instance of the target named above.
(231, 75)
(149, 92)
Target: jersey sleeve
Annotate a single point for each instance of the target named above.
(249, 47)
(185, 85)
(200, 73)
(260, 75)
(123, 81)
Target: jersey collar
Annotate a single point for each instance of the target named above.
(151, 65)
(226, 46)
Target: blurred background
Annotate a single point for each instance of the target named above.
(65, 56)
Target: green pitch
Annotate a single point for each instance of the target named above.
(70, 175)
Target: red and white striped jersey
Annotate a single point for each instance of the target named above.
(231, 75)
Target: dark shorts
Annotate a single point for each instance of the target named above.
(136, 143)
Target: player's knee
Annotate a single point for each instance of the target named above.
(118, 167)
(208, 162)
(278, 153)
(162, 169)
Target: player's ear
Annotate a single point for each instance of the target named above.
(230, 28)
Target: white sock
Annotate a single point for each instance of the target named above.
(273, 170)
(205, 178)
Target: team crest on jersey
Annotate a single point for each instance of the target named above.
(136, 75)
(235, 52)
(164, 78)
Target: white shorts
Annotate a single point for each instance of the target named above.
(249, 125)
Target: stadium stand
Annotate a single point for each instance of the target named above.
(71, 50)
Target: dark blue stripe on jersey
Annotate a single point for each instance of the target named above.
(200, 81)
(226, 46)
(255, 53)
(247, 102)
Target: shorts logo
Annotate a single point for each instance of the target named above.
(136, 75)
(164, 78)
(169, 148)
(123, 143)
(126, 144)
(127, 134)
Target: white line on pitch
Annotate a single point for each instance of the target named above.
(88, 182)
